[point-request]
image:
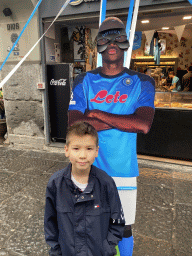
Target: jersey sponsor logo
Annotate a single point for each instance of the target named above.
(127, 81)
(103, 96)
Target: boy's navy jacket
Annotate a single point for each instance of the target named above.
(89, 223)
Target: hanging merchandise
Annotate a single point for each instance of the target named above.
(179, 31)
(155, 48)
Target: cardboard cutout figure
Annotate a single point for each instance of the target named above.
(119, 103)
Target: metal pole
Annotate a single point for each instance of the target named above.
(44, 92)
(132, 33)
(129, 18)
(128, 26)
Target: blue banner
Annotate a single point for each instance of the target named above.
(137, 40)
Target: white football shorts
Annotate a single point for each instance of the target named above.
(127, 188)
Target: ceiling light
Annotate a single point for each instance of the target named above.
(187, 17)
(164, 28)
(145, 21)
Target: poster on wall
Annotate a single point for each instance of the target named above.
(163, 46)
(137, 40)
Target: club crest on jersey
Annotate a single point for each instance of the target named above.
(127, 81)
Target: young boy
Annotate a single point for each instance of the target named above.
(83, 213)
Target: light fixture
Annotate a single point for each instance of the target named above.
(145, 21)
(7, 12)
(165, 28)
(187, 17)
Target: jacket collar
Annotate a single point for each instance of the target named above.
(89, 188)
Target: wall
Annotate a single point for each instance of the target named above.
(23, 102)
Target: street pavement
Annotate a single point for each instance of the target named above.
(164, 207)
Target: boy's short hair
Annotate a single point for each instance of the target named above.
(81, 129)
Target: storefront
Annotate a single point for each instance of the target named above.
(72, 40)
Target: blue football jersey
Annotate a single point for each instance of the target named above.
(121, 94)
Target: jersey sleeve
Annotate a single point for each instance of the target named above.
(147, 95)
(78, 99)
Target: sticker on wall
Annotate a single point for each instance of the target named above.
(14, 37)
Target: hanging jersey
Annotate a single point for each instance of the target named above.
(121, 94)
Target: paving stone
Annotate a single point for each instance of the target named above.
(3, 196)
(154, 221)
(4, 175)
(30, 239)
(45, 155)
(155, 195)
(37, 187)
(9, 153)
(3, 253)
(157, 177)
(183, 228)
(164, 166)
(15, 183)
(58, 166)
(146, 246)
(183, 191)
(32, 166)
(17, 212)
(7, 156)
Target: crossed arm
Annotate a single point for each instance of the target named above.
(139, 122)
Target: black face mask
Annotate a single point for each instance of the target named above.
(118, 37)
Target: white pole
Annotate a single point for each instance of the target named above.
(132, 34)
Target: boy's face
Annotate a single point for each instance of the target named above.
(81, 152)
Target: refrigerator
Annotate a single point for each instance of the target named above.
(59, 79)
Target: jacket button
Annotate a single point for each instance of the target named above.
(91, 196)
(82, 197)
(75, 195)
